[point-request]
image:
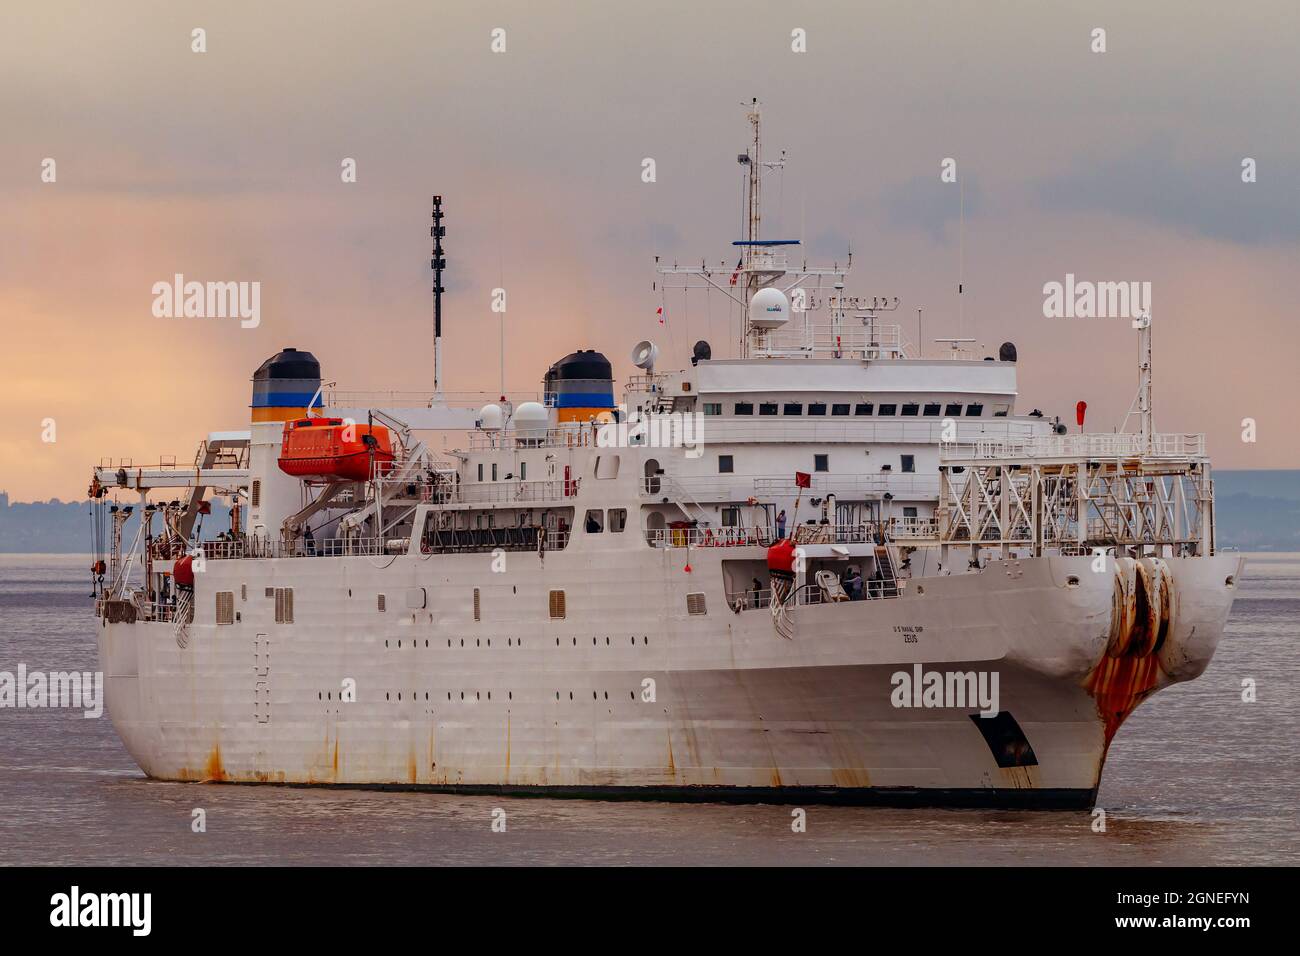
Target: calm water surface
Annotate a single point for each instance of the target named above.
(1194, 777)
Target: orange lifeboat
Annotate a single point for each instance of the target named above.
(326, 449)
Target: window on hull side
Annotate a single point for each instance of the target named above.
(793, 408)
(817, 408)
(931, 409)
(864, 408)
(908, 462)
(839, 409)
(975, 410)
(767, 408)
(744, 408)
(726, 464)
(911, 409)
(952, 409)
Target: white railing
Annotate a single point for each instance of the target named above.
(500, 492)
(326, 547)
(913, 528)
(741, 488)
(853, 339)
(709, 537)
(1099, 445)
(568, 435)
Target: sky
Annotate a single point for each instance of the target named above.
(225, 165)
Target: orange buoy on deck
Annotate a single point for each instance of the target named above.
(326, 449)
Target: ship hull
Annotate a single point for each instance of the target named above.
(631, 696)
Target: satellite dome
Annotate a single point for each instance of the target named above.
(531, 421)
(491, 418)
(769, 309)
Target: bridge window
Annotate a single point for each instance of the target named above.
(744, 408)
(887, 410)
(767, 408)
(909, 462)
(932, 409)
(864, 408)
(952, 408)
(1001, 411)
(839, 409)
(817, 408)
(726, 464)
(821, 462)
(974, 410)
(911, 408)
(794, 408)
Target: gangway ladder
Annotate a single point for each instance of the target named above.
(885, 569)
(182, 614)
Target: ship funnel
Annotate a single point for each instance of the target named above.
(644, 355)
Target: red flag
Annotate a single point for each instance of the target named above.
(802, 479)
(736, 275)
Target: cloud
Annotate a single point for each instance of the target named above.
(1200, 194)
(930, 205)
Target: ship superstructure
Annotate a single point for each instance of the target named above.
(798, 573)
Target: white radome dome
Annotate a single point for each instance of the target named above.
(531, 420)
(769, 309)
(491, 418)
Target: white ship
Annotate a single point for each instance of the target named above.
(798, 574)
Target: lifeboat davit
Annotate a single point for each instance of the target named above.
(327, 449)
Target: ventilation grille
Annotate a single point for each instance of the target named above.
(557, 605)
(255, 496)
(225, 607)
(695, 603)
(382, 602)
(478, 607)
(284, 605)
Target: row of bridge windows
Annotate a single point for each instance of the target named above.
(860, 409)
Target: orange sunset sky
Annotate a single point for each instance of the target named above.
(225, 166)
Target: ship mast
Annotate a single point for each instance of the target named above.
(437, 263)
(762, 262)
